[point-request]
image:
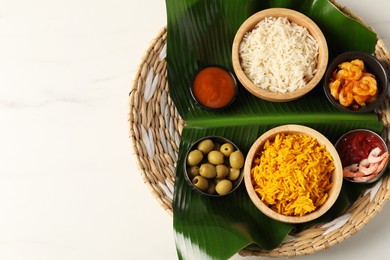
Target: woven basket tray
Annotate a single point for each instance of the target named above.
(155, 130)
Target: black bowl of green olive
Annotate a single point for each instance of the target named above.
(213, 166)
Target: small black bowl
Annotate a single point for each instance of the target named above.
(217, 84)
(373, 66)
(353, 147)
(212, 181)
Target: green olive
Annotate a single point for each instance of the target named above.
(193, 171)
(194, 157)
(236, 159)
(207, 170)
(233, 174)
(223, 187)
(211, 188)
(200, 183)
(222, 171)
(205, 146)
(215, 157)
(227, 149)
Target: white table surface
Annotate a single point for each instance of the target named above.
(69, 185)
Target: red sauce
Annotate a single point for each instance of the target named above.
(214, 87)
(356, 146)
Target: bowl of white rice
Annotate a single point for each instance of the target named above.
(279, 54)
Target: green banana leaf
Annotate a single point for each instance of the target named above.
(220, 227)
(201, 32)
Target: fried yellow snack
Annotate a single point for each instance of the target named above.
(352, 86)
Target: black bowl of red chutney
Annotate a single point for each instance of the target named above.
(364, 155)
(214, 87)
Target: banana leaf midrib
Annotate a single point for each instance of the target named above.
(292, 118)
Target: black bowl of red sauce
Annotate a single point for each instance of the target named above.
(364, 155)
(214, 87)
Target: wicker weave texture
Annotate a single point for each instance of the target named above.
(155, 130)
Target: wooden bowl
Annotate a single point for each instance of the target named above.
(337, 174)
(293, 17)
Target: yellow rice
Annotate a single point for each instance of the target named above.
(292, 174)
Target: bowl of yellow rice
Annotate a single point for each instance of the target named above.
(293, 174)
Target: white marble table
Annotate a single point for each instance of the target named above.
(69, 185)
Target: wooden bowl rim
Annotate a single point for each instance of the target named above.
(337, 176)
(293, 16)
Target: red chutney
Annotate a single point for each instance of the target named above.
(356, 146)
(214, 87)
